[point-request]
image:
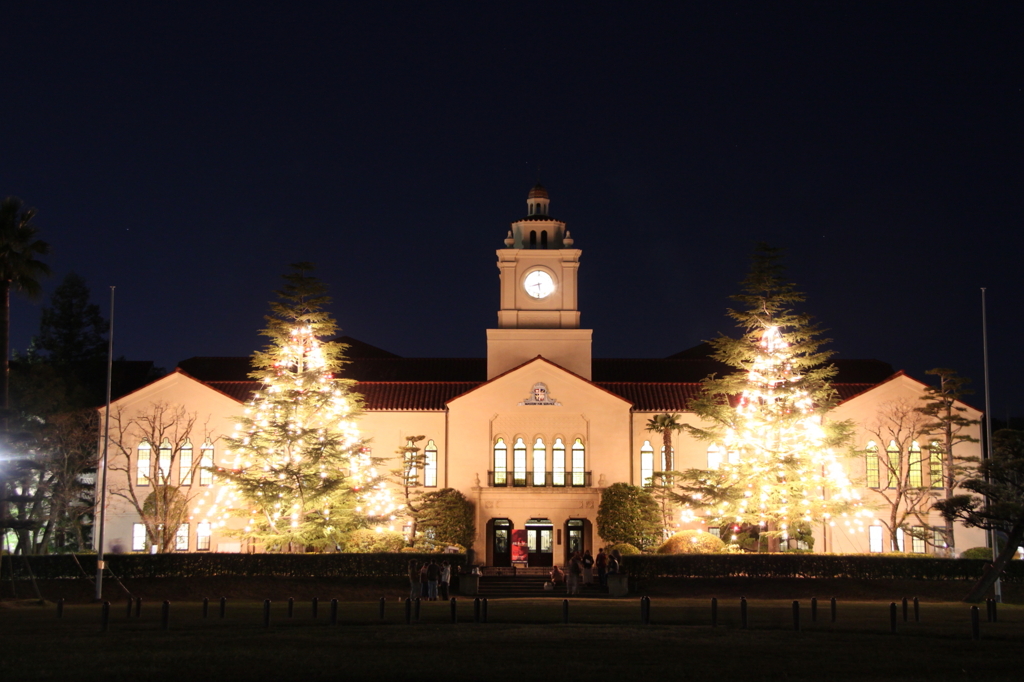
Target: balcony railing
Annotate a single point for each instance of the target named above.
(539, 479)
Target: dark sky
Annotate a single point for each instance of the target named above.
(188, 152)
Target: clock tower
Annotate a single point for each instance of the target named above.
(538, 312)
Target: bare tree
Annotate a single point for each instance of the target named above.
(158, 483)
(896, 464)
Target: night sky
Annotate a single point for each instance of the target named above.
(188, 152)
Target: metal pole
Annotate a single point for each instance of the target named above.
(100, 563)
(988, 433)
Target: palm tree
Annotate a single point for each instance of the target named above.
(666, 424)
(19, 270)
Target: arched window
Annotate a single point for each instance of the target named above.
(500, 462)
(185, 463)
(935, 465)
(533, 239)
(646, 464)
(519, 463)
(144, 468)
(544, 239)
(871, 465)
(164, 462)
(714, 457)
(206, 464)
(894, 464)
(578, 463)
(540, 463)
(558, 463)
(430, 465)
(916, 479)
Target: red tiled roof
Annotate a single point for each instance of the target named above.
(411, 395)
(650, 397)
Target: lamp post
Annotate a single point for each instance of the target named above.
(988, 435)
(100, 562)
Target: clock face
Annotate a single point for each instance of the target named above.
(539, 284)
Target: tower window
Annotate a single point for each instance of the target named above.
(544, 239)
(533, 239)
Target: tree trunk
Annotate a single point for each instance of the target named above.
(995, 569)
(5, 329)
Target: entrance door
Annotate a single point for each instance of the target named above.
(502, 548)
(574, 531)
(539, 542)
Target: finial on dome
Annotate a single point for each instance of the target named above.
(538, 192)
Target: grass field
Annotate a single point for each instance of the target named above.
(523, 639)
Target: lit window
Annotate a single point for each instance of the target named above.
(714, 457)
(899, 540)
(871, 465)
(914, 466)
(430, 465)
(145, 464)
(203, 532)
(540, 463)
(734, 457)
(716, 531)
(578, 463)
(138, 537)
(935, 465)
(519, 463)
(894, 464)
(206, 464)
(164, 462)
(647, 464)
(500, 463)
(917, 542)
(181, 538)
(558, 463)
(185, 461)
(939, 538)
(875, 539)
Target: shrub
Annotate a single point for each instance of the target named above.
(627, 514)
(977, 553)
(692, 542)
(624, 548)
(367, 541)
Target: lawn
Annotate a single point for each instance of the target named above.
(523, 639)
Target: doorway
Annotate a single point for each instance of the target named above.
(501, 546)
(539, 542)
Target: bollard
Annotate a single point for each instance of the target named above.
(743, 613)
(165, 616)
(417, 610)
(291, 606)
(565, 610)
(645, 610)
(138, 607)
(382, 608)
(814, 609)
(206, 607)
(796, 616)
(904, 609)
(408, 610)
(917, 610)
(483, 610)
(60, 607)
(892, 617)
(995, 612)
(128, 609)
(105, 616)
(714, 612)
(833, 607)
(334, 612)
(316, 607)
(476, 610)
(975, 623)
(266, 613)
(455, 612)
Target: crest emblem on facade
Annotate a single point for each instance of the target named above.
(539, 396)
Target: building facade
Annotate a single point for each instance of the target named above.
(532, 433)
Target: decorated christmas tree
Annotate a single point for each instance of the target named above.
(780, 465)
(298, 468)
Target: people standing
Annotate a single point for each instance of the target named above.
(588, 568)
(446, 576)
(423, 581)
(414, 579)
(433, 576)
(572, 585)
(602, 567)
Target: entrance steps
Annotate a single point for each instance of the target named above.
(527, 583)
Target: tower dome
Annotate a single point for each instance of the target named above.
(538, 192)
(537, 202)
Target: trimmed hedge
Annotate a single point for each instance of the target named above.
(851, 566)
(206, 565)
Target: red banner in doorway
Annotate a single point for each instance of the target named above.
(519, 550)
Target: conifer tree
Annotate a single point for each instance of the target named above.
(770, 417)
(299, 463)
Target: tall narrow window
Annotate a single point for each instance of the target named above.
(544, 239)
(206, 464)
(181, 538)
(894, 464)
(875, 539)
(500, 462)
(164, 462)
(871, 466)
(540, 463)
(914, 466)
(412, 474)
(185, 463)
(145, 464)
(519, 463)
(430, 465)
(899, 541)
(138, 537)
(203, 532)
(714, 457)
(935, 465)
(533, 239)
(578, 463)
(647, 464)
(917, 543)
(558, 463)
